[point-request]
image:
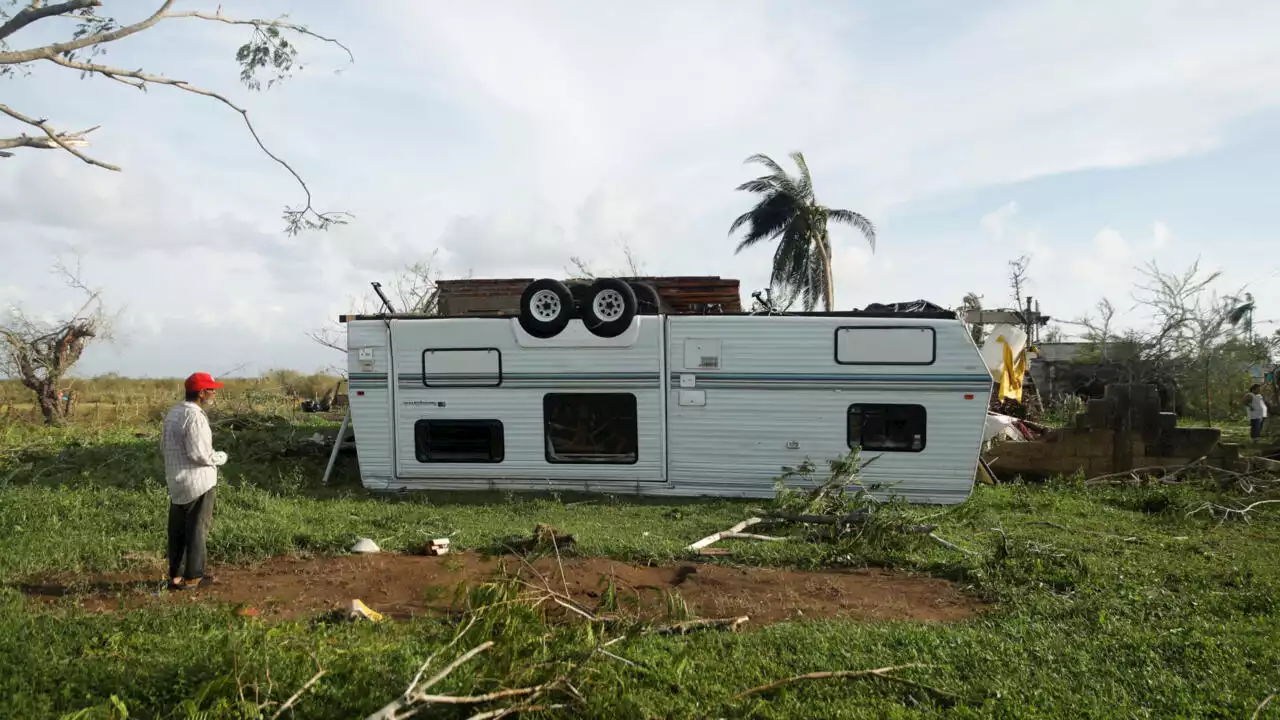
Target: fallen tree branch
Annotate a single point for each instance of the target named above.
(503, 712)
(849, 519)
(1228, 512)
(294, 698)
(951, 546)
(457, 663)
(430, 658)
(1165, 472)
(478, 699)
(749, 536)
(1257, 713)
(882, 673)
(681, 628)
(716, 537)
(410, 697)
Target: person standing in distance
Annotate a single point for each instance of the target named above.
(191, 471)
(1257, 406)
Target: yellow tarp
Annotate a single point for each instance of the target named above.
(1012, 373)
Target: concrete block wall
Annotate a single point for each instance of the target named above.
(1123, 430)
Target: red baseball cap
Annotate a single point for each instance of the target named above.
(202, 381)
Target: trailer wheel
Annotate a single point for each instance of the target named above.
(545, 308)
(648, 302)
(609, 308)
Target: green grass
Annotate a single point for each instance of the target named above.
(1182, 621)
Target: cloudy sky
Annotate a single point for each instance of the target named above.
(508, 136)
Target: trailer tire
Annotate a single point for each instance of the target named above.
(546, 307)
(648, 302)
(609, 307)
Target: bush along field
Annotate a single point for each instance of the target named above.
(1144, 598)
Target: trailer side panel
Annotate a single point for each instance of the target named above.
(480, 404)
(750, 395)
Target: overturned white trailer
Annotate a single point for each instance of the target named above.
(601, 392)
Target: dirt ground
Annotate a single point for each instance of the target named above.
(402, 586)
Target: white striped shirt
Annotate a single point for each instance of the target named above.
(190, 462)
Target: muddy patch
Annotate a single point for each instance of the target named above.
(404, 586)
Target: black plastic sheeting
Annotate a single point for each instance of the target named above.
(915, 306)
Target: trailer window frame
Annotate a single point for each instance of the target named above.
(920, 416)
(497, 445)
(933, 337)
(449, 386)
(632, 432)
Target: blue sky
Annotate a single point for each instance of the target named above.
(508, 136)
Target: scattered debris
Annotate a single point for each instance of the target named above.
(439, 546)
(733, 532)
(357, 610)
(951, 546)
(365, 545)
(732, 624)
(1224, 513)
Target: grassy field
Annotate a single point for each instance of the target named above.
(1110, 602)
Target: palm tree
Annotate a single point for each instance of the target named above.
(789, 212)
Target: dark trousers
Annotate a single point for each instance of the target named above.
(1255, 427)
(188, 527)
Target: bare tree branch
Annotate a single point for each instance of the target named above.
(66, 141)
(268, 48)
(1018, 277)
(51, 50)
(74, 139)
(33, 12)
(297, 219)
(300, 29)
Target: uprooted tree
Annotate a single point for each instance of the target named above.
(41, 353)
(90, 33)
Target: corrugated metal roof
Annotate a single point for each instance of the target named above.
(684, 295)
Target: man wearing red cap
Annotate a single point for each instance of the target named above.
(191, 471)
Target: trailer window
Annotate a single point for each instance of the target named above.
(458, 441)
(590, 428)
(888, 428)
(882, 345)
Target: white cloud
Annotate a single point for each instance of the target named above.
(994, 221)
(1160, 235)
(1110, 247)
(510, 137)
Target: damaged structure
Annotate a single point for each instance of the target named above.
(660, 386)
(1124, 430)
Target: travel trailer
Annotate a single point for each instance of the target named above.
(599, 390)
